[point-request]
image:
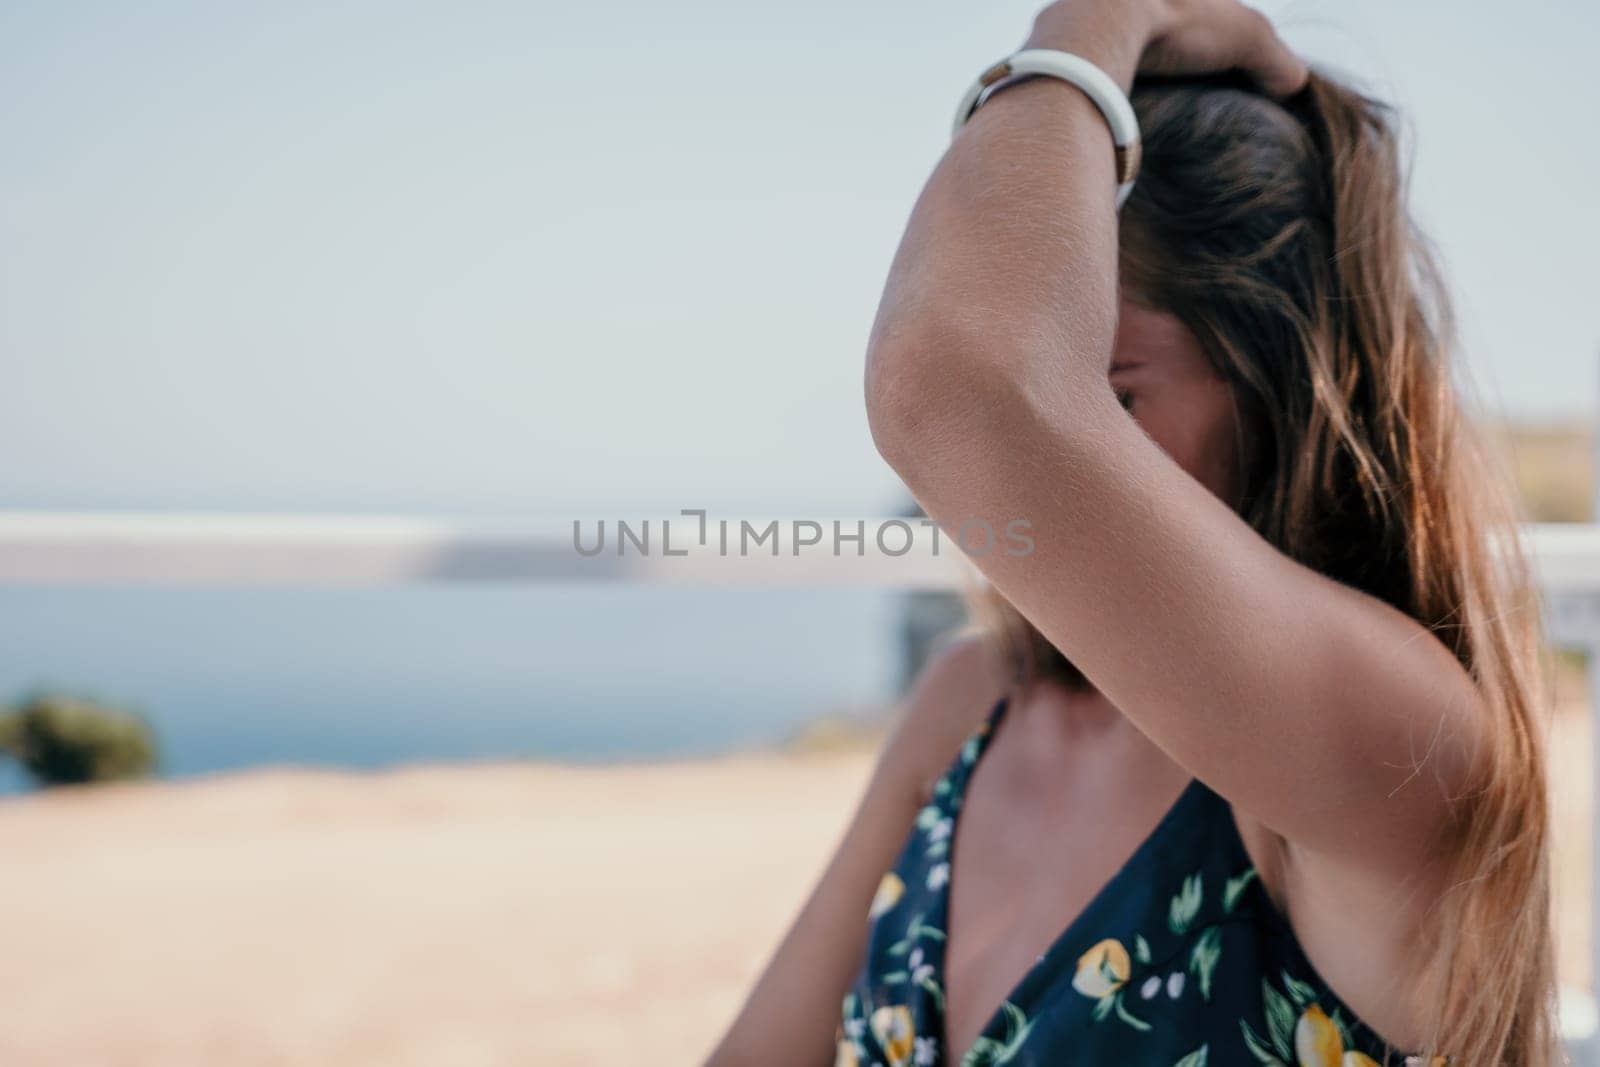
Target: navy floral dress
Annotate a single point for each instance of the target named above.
(1181, 960)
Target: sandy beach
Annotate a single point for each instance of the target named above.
(444, 916)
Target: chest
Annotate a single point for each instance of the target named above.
(1047, 822)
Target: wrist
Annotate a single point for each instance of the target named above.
(1111, 35)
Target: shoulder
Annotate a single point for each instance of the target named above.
(956, 690)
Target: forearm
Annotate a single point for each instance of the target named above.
(1005, 284)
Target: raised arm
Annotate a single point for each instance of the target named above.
(1307, 704)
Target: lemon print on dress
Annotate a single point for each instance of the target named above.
(1101, 975)
(1316, 1040)
(890, 890)
(896, 1034)
(1318, 1043)
(1102, 970)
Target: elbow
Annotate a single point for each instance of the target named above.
(896, 390)
(914, 400)
(932, 381)
(937, 397)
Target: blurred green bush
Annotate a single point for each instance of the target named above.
(67, 740)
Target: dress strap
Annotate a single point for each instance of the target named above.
(952, 788)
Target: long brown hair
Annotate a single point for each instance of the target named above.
(1279, 235)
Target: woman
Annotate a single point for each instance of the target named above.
(1257, 777)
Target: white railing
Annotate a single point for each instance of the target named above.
(187, 549)
(209, 549)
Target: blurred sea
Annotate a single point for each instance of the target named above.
(366, 678)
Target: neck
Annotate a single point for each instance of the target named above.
(1080, 709)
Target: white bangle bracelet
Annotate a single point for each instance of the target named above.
(1095, 83)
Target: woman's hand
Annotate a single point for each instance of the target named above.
(1171, 37)
(1206, 36)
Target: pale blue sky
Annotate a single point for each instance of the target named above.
(528, 257)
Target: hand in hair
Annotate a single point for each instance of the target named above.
(1172, 37)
